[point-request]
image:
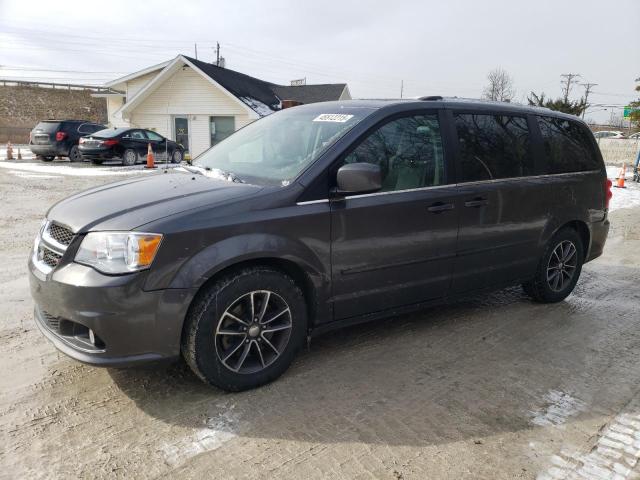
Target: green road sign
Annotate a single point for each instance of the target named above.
(628, 110)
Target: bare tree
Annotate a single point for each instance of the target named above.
(500, 87)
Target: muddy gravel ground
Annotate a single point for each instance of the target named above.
(492, 387)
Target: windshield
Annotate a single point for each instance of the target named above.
(276, 149)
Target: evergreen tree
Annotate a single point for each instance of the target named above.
(561, 105)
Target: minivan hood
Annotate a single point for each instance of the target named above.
(128, 204)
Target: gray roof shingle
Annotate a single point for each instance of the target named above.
(250, 89)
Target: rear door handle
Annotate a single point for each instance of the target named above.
(476, 202)
(440, 207)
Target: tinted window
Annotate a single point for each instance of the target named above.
(567, 145)
(85, 128)
(493, 146)
(153, 135)
(47, 127)
(408, 150)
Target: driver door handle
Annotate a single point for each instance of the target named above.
(440, 207)
(476, 202)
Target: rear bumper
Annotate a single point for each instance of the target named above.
(97, 154)
(599, 232)
(49, 150)
(130, 326)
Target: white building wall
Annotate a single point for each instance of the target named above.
(187, 93)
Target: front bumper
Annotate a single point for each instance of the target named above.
(130, 325)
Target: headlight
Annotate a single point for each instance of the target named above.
(118, 252)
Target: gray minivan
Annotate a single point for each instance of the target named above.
(317, 217)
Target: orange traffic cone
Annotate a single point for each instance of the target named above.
(9, 151)
(150, 158)
(623, 173)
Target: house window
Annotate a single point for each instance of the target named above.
(220, 128)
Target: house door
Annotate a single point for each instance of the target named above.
(181, 131)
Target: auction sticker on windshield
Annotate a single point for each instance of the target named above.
(332, 117)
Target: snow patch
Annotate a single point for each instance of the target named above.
(78, 171)
(628, 197)
(215, 432)
(559, 408)
(260, 108)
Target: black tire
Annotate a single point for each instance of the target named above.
(74, 154)
(552, 282)
(177, 156)
(96, 162)
(129, 157)
(205, 343)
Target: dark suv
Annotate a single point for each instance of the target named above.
(59, 138)
(316, 217)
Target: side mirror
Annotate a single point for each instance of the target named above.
(359, 178)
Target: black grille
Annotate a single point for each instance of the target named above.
(49, 257)
(52, 322)
(60, 234)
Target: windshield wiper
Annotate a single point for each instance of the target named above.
(213, 173)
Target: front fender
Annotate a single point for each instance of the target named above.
(241, 248)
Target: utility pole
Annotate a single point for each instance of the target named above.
(587, 91)
(195, 47)
(401, 88)
(217, 54)
(568, 80)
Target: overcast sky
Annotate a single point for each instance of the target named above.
(435, 47)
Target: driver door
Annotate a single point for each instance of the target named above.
(397, 246)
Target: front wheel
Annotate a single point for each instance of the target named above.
(129, 157)
(559, 268)
(244, 330)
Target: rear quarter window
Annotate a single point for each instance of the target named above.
(568, 146)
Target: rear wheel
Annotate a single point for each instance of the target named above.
(559, 268)
(74, 154)
(245, 329)
(129, 157)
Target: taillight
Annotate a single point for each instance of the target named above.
(109, 143)
(61, 136)
(607, 192)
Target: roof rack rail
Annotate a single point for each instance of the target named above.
(431, 98)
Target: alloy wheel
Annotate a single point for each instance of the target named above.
(562, 265)
(253, 332)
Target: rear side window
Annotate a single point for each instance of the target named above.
(493, 147)
(567, 145)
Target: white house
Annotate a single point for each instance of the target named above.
(198, 103)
